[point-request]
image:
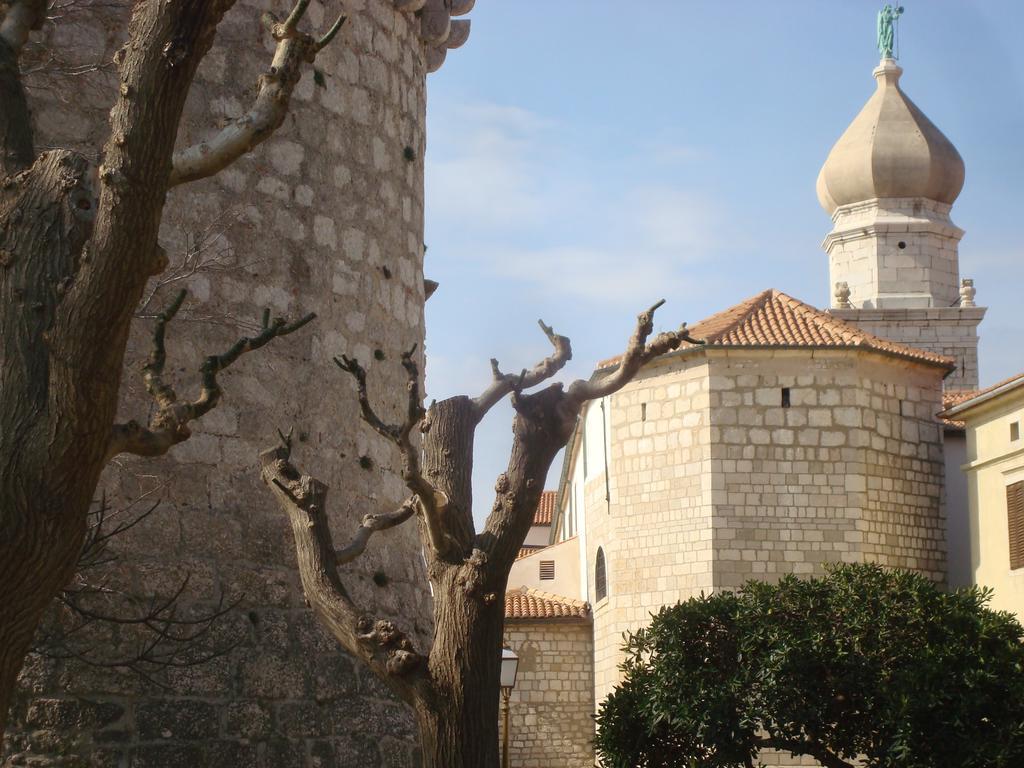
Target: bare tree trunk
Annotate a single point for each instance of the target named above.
(458, 721)
(77, 246)
(453, 688)
(48, 466)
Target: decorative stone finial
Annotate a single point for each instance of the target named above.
(967, 292)
(438, 29)
(887, 20)
(842, 296)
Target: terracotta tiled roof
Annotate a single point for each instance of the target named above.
(774, 319)
(951, 398)
(959, 398)
(527, 551)
(527, 603)
(546, 508)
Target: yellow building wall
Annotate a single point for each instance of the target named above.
(993, 462)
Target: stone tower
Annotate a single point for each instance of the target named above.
(889, 184)
(326, 216)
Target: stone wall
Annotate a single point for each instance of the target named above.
(781, 486)
(850, 471)
(951, 331)
(327, 216)
(895, 253)
(714, 481)
(551, 707)
(899, 257)
(656, 531)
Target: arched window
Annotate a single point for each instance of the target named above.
(600, 579)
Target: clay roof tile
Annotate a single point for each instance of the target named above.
(774, 319)
(546, 508)
(528, 603)
(955, 398)
(527, 551)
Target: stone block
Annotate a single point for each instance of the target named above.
(166, 756)
(175, 720)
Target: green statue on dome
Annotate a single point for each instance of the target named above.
(887, 18)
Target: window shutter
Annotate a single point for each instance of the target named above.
(547, 570)
(1015, 518)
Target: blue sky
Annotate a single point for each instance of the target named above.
(588, 157)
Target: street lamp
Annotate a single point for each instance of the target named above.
(509, 667)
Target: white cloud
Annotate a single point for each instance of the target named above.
(596, 274)
(513, 199)
(487, 176)
(669, 219)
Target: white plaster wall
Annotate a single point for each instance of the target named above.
(538, 536)
(526, 570)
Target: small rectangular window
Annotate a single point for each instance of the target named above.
(1015, 521)
(1015, 431)
(785, 397)
(643, 411)
(547, 570)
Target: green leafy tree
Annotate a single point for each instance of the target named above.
(863, 667)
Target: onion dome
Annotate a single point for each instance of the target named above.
(890, 150)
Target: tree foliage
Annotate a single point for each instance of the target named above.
(864, 662)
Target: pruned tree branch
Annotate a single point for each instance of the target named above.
(378, 642)
(455, 683)
(638, 352)
(505, 383)
(432, 501)
(169, 424)
(275, 87)
(544, 422)
(370, 525)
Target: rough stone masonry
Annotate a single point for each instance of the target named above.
(326, 216)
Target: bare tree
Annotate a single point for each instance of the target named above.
(453, 685)
(78, 244)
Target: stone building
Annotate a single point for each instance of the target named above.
(794, 437)
(326, 216)
(789, 440)
(553, 699)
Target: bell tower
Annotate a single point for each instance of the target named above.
(889, 184)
